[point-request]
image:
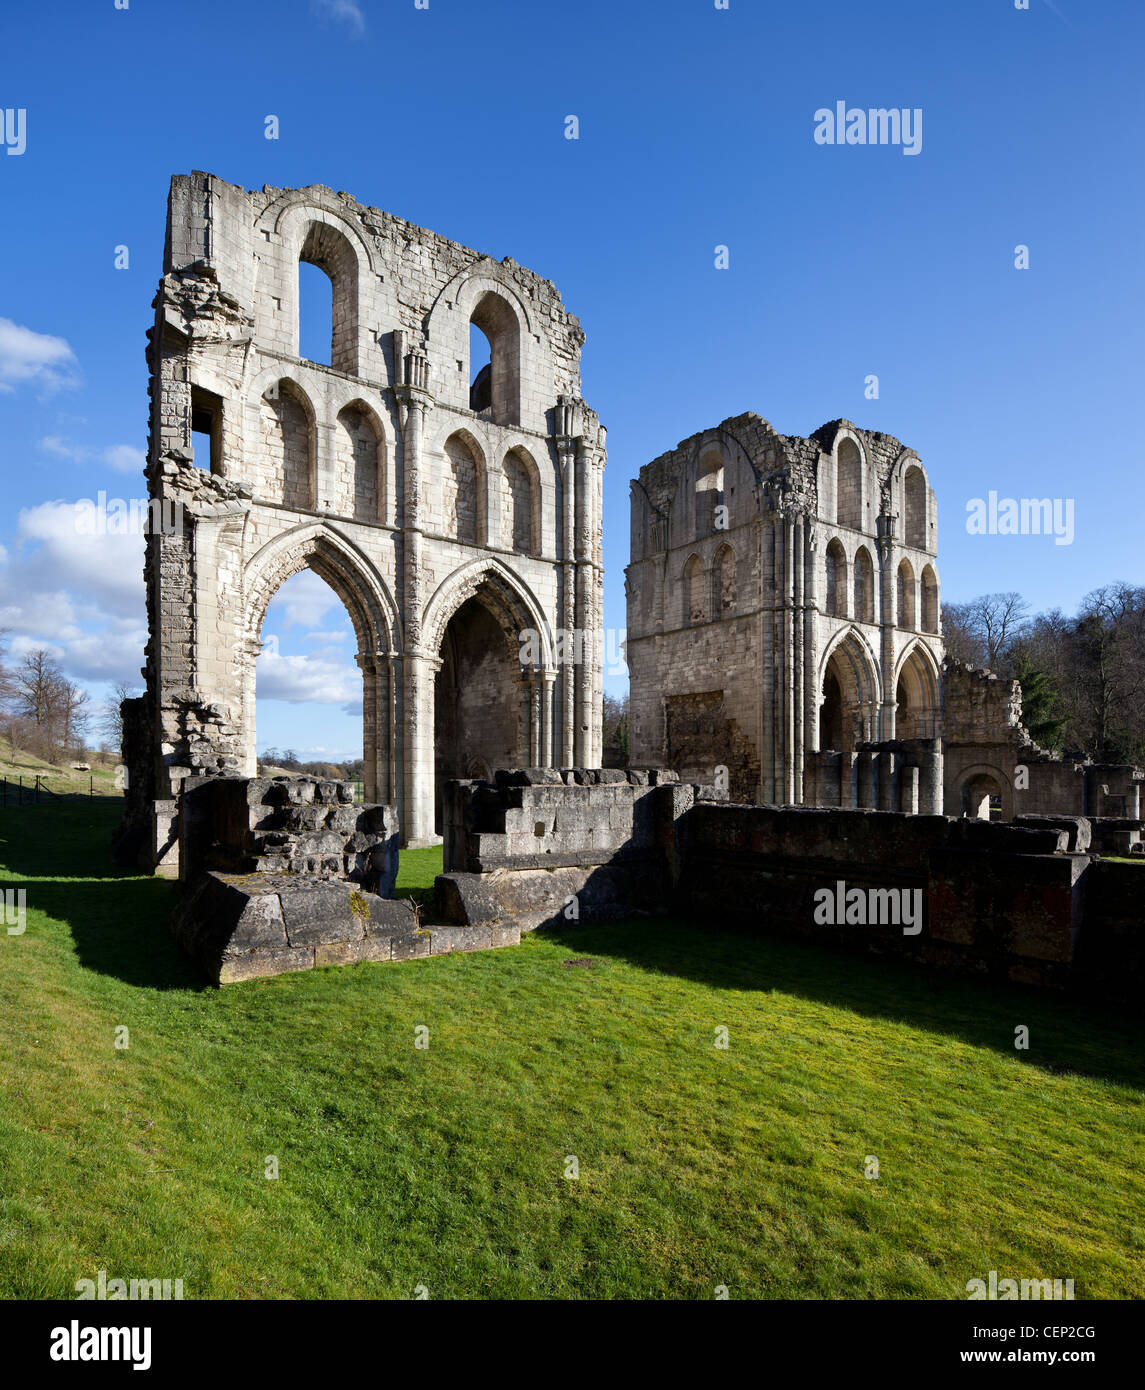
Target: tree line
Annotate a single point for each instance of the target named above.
(1082, 677)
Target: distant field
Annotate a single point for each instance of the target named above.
(19, 770)
(447, 1166)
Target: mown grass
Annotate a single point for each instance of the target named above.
(446, 1166)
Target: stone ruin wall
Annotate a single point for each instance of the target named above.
(731, 630)
(1030, 902)
(381, 472)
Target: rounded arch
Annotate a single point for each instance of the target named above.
(835, 579)
(850, 481)
(286, 468)
(312, 227)
(708, 490)
(362, 461)
(905, 596)
(864, 572)
(507, 595)
(466, 287)
(929, 595)
(984, 792)
(724, 584)
(521, 529)
(695, 600)
(914, 506)
(464, 488)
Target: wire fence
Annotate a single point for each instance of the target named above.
(34, 791)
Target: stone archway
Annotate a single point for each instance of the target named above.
(477, 718)
(849, 697)
(494, 685)
(372, 613)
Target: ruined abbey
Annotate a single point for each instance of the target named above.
(450, 515)
(784, 642)
(784, 638)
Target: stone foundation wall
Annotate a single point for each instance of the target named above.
(1005, 901)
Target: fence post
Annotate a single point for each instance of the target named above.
(91, 786)
(20, 802)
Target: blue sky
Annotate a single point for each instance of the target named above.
(696, 130)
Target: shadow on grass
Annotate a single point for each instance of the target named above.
(1066, 1034)
(117, 917)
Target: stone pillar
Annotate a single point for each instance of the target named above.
(908, 790)
(888, 619)
(420, 665)
(566, 453)
(583, 608)
(811, 692)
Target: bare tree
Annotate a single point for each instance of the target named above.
(983, 632)
(38, 686)
(111, 714)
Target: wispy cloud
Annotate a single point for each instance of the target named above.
(122, 458)
(37, 359)
(347, 12)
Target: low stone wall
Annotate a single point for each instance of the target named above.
(992, 899)
(1026, 902)
(543, 846)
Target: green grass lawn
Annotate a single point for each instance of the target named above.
(446, 1167)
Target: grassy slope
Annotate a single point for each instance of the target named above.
(445, 1167)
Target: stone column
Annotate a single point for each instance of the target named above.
(583, 608)
(563, 736)
(811, 692)
(417, 811)
(888, 619)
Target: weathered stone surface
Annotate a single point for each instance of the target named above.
(305, 468)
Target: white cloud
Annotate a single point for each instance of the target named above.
(341, 11)
(58, 556)
(298, 679)
(303, 601)
(122, 458)
(36, 358)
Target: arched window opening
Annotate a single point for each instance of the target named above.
(284, 472)
(864, 587)
(831, 714)
(477, 699)
(906, 595)
(914, 509)
(495, 380)
(850, 485)
(520, 503)
(929, 601)
(463, 492)
(836, 585)
(358, 460)
(328, 299)
(694, 592)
